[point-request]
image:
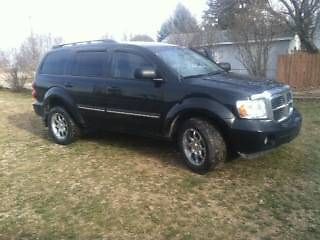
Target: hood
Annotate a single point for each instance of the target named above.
(236, 82)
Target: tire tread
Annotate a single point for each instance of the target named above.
(214, 141)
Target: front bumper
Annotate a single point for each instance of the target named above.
(252, 136)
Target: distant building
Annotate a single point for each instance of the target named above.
(223, 49)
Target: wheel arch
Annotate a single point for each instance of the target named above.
(57, 96)
(207, 109)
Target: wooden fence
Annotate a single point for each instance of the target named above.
(300, 70)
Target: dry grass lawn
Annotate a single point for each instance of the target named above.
(116, 186)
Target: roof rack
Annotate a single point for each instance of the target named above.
(84, 42)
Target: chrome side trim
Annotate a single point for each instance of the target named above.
(116, 111)
(133, 113)
(91, 108)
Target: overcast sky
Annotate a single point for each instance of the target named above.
(77, 20)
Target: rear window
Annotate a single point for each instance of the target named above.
(54, 63)
(89, 64)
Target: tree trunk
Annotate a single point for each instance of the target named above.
(307, 44)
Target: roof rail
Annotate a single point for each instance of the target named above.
(84, 42)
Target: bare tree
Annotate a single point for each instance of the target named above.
(142, 37)
(19, 65)
(302, 16)
(107, 36)
(253, 31)
(126, 37)
(181, 39)
(4, 61)
(11, 70)
(32, 50)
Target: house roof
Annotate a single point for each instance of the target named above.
(218, 37)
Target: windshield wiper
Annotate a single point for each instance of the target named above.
(203, 75)
(195, 76)
(215, 72)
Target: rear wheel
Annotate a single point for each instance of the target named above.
(202, 145)
(62, 128)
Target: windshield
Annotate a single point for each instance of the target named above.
(186, 62)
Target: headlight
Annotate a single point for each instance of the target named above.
(252, 109)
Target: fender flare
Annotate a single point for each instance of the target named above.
(64, 98)
(199, 106)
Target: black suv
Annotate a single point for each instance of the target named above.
(162, 90)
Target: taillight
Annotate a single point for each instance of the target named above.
(34, 92)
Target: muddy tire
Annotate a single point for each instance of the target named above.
(202, 145)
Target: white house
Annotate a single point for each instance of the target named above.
(222, 49)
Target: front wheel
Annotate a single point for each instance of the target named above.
(202, 145)
(62, 128)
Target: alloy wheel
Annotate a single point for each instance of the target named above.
(194, 147)
(59, 126)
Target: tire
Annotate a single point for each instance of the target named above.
(202, 145)
(62, 127)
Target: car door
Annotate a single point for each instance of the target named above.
(133, 104)
(87, 84)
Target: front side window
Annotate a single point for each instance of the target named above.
(89, 64)
(186, 62)
(54, 63)
(125, 64)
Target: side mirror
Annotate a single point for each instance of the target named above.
(147, 73)
(225, 66)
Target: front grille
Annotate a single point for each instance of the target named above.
(280, 113)
(282, 105)
(278, 101)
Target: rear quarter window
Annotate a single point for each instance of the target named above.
(54, 63)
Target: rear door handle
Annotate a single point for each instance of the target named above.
(68, 85)
(100, 90)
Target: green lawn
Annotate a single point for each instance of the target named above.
(127, 187)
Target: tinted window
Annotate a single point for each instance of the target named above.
(125, 64)
(89, 64)
(54, 63)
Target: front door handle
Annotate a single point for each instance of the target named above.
(114, 90)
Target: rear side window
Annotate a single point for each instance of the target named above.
(54, 63)
(125, 64)
(89, 64)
